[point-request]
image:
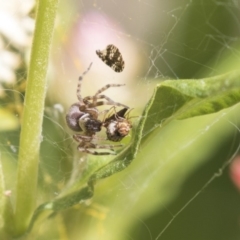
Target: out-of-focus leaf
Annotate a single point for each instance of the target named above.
(7, 120)
(2, 196)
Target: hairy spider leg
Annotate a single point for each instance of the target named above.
(87, 139)
(86, 145)
(106, 146)
(80, 84)
(100, 103)
(86, 150)
(106, 87)
(96, 95)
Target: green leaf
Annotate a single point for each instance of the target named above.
(46, 209)
(180, 99)
(167, 157)
(170, 149)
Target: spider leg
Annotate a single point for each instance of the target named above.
(100, 103)
(82, 139)
(97, 96)
(87, 150)
(106, 87)
(104, 112)
(110, 102)
(107, 146)
(80, 83)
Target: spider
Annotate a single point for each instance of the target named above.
(118, 125)
(83, 117)
(112, 57)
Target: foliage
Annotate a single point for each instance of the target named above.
(178, 130)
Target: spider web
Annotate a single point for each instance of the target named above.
(158, 40)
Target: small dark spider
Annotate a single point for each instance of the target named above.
(112, 57)
(118, 125)
(83, 117)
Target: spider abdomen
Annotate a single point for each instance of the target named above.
(73, 116)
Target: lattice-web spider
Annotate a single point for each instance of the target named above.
(83, 116)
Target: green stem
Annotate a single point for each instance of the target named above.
(31, 130)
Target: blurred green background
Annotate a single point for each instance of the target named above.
(183, 176)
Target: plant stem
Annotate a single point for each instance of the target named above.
(31, 130)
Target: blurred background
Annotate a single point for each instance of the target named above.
(159, 40)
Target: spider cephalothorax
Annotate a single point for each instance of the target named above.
(117, 125)
(83, 116)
